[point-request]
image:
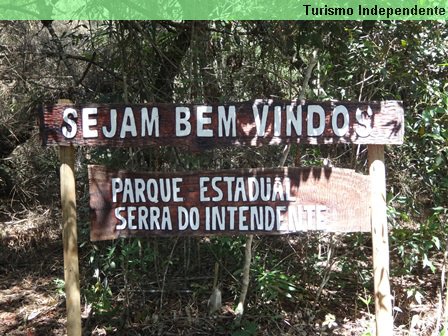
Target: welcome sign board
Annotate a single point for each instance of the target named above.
(204, 126)
(246, 201)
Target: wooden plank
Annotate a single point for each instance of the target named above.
(252, 123)
(227, 202)
(380, 242)
(70, 240)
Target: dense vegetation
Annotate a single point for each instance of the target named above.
(300, 285)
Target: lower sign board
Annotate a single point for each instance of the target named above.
(244, 201)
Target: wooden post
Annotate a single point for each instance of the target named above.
(70, 238)
(380, 242)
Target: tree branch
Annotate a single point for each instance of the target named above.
(49, 25)
(170, 63)
(309, 70)
(246, 271)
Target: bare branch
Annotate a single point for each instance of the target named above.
(48, 24)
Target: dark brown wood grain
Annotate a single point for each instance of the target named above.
(385, 120)
(337, 200)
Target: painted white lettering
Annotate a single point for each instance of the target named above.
(113, 125)
(207, 218)
(219, 194)
(176, 189)
(278, 190)
(131, 218)
(229, 180)
(256, 218)
(194, 218)
(87, 122)
(203, 120)
(319, 111)
(269, 217)
(165, 189)
(143, 218)
(242, 218)
(128, 125)
(253, 188)
(277, 120)
(279, 220)
(122, 220)
(150, 125)
(154, 218)
(183, 126)
(265, 188)
(311, 211)
(218, 218)
(295, 219)
(340, 131)
(139, 190)
(166, 219)
(240, 190)
(260, 123)
(182, 218)
(69, 113)
(232, 211)
(128, 191)
(203, 189)
(228, 123)
(117, 187)
(152, 190)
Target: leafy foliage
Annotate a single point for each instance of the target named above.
(197, 61)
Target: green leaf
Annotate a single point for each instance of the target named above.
(436, 242)
(428, 263)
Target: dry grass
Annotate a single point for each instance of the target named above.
(30, 304)
(30, 260)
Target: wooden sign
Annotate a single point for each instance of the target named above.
(260, 201)
(203, 126)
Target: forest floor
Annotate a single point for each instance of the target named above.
(32, 300)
